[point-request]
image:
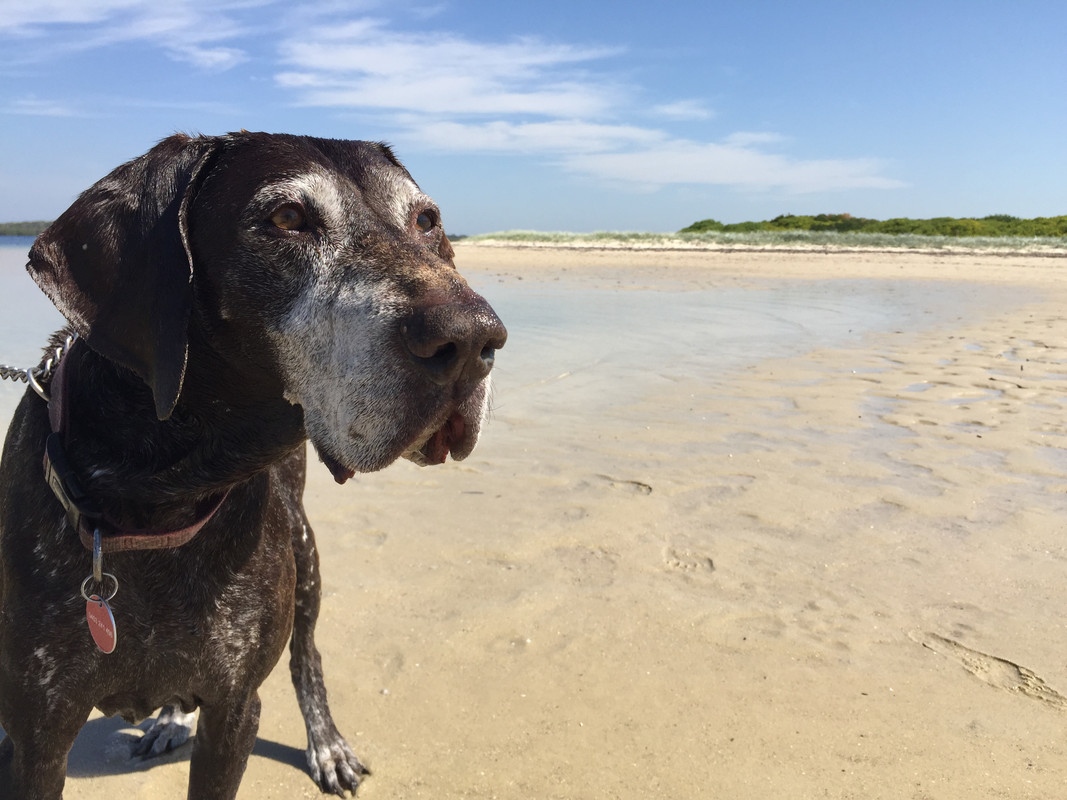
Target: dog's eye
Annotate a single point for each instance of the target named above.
(288, 218)
(426, 221)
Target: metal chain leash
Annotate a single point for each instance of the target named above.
(42, 372)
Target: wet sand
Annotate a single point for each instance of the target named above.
(835, 569)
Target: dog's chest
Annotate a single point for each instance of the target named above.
(191, 624)
(193, 647)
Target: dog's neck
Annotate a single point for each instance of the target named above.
(149, 472)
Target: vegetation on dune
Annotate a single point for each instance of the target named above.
(22, 228)
(995, 225)
(1001, 233)
(563, 237)
(780, 239)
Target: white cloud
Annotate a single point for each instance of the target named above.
(112, 104)
(209, 58)
(750, 138)
(555, 136)
(444, 92)
(187, 30)
(731, 164)
(365, 65)
(20, 15)
(453, 93)
(683, 110)
(647, 157)
(34, 107)
(367, 46)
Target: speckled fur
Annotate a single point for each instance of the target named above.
(214, 342)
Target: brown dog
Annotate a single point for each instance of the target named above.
(234, 296)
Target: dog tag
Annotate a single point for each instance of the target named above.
(101, 623)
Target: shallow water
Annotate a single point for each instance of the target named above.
(27, 318)
(604, 346)
(591, 336)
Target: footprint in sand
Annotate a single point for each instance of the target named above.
(634, 487)
(588, 566)
(997, 672)
(687, 561)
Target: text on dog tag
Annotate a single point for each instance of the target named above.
(101, 623)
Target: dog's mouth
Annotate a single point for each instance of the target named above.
(434, 445)
(456, 436)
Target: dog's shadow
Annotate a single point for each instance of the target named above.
(103, 748)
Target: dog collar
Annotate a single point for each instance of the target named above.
(83, 513)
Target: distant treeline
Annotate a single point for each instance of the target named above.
(994, 225)
(22, 228)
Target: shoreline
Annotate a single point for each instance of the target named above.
(707, 269)
(782, 249)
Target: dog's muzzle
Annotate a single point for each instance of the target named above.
(453, 345)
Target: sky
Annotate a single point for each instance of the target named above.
(566, 116)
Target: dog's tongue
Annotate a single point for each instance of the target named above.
(436, 449)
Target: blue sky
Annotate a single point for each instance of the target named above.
(566, 115)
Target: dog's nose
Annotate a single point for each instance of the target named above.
(454, 342)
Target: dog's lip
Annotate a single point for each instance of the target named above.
(450, 436)
(341, 473)
(434, 444)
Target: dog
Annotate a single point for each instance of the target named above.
(232, 298)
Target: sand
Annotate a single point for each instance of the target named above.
(833, 571)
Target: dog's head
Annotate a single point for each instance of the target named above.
(319, 261)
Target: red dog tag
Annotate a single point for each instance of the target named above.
(101, 623)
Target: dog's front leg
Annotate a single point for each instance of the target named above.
(333, 765)
(33, 756)
(225, 736)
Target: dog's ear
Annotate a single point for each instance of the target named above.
(444, 249)
(117, 264)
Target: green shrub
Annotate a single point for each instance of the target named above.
(703, 226)
(994, 225)
(22, 228)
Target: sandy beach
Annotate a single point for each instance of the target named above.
(680, 567)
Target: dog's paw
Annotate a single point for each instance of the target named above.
(333, 765)
(171, 729)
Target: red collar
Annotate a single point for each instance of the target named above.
(83, 512)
